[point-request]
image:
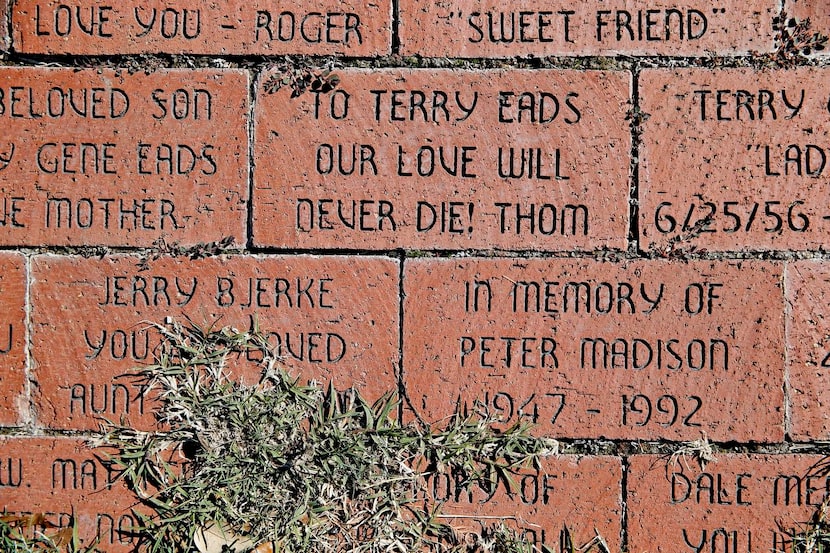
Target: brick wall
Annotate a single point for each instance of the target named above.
(606, 218)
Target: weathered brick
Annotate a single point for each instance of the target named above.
(738, 503)
(64, 478)
(12, 337)
(4, 27)
(818, 14)
(422, 159)
(807, 288)
(331, 318)
(733, 159)
(105, 157)
(636, 350)
(570, 497)
(463, 28)
(332, 27)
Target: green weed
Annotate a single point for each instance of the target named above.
(288, 466)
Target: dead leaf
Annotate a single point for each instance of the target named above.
(264, 547)
(62, 537)
(216, 538)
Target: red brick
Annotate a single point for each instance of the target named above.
(65, 179)
(694, 165)
(4, 27)
(12, 338)
(537, 363)
(464, 28)
(64, 477)
(345, 322)
(817, 12)
(807, 287)
(738, 503)
(580, 494)
(332, 27)
(299, 186)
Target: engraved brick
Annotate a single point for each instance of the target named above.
(331, 27)
(12, 338)
(637, 350)
(734, 159)
(818, 14)
(463, 28)
(444, 159)
(62, 478)
(807, 287)
(569, 498)
(331, 319)
(111, 158)
(738, 503)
